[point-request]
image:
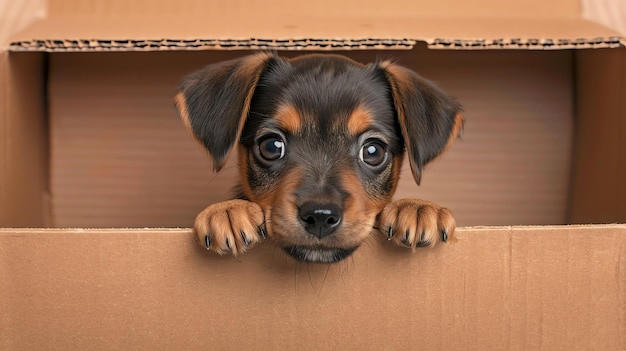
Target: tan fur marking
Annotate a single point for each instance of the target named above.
(282, 193)
(456, 129)
(181, 105)
(242, 154)
(288, 119)
(252, 62)
(251, 66)
(400, 82)
(360, 210)
(280, 210)
(457, 126)
(397, 168)
(363, 205)
(359, 120)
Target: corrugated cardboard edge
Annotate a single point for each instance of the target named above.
(247, 31)
(531, 43)
(65, 45)
(460, 232)
(88, 45)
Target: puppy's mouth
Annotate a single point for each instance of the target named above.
(318, 254)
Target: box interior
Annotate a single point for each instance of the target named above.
(102, 146)
(91, 138)
(599, 168)
(120, 157)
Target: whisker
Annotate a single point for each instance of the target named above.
(324, 279)
(260, 114)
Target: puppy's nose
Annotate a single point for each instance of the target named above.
(320, 219)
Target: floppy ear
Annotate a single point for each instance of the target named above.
(430, 120)
(214, 102)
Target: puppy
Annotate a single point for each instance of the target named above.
(321, 140)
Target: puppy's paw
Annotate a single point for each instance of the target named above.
(230, 227)
(416, 223)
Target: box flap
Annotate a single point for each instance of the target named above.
(328, 32)
(181, 10)
(16, 15)
(520, 288)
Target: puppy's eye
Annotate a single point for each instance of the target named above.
(272, 148)
(373, 153)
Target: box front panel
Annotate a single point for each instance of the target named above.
(492, 289)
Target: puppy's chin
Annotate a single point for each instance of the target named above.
(318, 254)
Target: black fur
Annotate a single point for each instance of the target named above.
(237, 101)
(427, 116)
(216, 100)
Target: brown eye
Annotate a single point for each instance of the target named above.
(272, 148)
(373, 153)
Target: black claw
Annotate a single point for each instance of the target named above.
(389, 233)
(245, 239)
(207, 241)
(423, 242)
(405, 239)
(228, 245)
(263, 231)
(444, 235)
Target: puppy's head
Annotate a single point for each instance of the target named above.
(321, 140)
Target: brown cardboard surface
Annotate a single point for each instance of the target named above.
(508, 288)
(442, 8)
(512, 163)
(92, 140)
(284, 32)
(611, 13)
(23, 141)
(4, 129)
(15, 15)
(598, 188)
(121, 158)
(120, 155)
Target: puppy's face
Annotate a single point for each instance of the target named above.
(321, 140)
(320, 152)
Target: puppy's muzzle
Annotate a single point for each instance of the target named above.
(320, 219)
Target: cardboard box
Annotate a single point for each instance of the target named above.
(517, 288)
(89, 139)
